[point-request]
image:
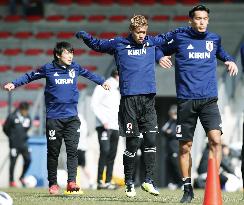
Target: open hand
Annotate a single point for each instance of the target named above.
(165, 62)
(231, 67)
(106, 86)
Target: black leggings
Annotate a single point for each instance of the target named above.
(108, 141)
(14, 153)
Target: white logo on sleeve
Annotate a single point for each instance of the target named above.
(56, 74)
(171, 41)
(128, 46)
(190, 47)
(37, 73)
(178, 131)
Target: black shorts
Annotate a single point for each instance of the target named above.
(188, 112)
(137, 115)
(81, 158)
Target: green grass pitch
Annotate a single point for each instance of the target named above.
(38, 196)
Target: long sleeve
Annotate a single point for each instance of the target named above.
(99, 45)
(91, 76)
(222, 54)
(7, 125)
(29, 77)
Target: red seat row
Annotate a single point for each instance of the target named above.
(48, 35)
(4, 103)
(78, 18)
(126, 2)
(28, 68)
(38, 51)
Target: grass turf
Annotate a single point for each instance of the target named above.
(106, 197)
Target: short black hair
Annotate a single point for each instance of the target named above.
(114, 73)
(60, 47)
(24, 106)
(198, 8)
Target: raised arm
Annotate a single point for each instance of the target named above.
(26, 78)
(99, 45)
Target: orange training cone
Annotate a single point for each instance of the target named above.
(212, 189)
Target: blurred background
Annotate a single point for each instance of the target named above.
(30, 28)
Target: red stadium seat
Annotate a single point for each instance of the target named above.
(33, 18)
(64, 35)
(12, 51)
(12, 18)
(153, 33)
(79, 51)
(17, 102)
(180, 18)
(55, 18)
(33, 86)
(81, 86)
(22, 68)
(90, 67)
(23, 35)
(124, 34)
(92, 33)
(96, 18)
(4, 68)
(189, 1)
(33, 52)
(85, 2)
(167, 2)
(3, 103)
(49, 52)
(107, 35)
(105, 2)
(126, 2)
(44, 35)
(160, 18)
(146, 2)
(75, 18)
(5, 34)
(117, 18)
(63, 2)
(94, 53)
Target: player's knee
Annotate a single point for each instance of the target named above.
(185, 147)
(132, 144)
(149, 139)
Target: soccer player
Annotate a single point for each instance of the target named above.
(105, 105)
(135, 60)
(61, 98)
(196, 86)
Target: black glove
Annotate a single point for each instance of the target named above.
(80, 34)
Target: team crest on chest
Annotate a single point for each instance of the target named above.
(209, 45)
(72, 73)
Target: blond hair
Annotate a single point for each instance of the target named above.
(137, 21)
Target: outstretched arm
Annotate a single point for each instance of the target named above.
(99, 45)
(25, 79)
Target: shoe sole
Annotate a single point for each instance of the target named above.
(130, 196)
(79, 192)
(54, 193)
(154, 194)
